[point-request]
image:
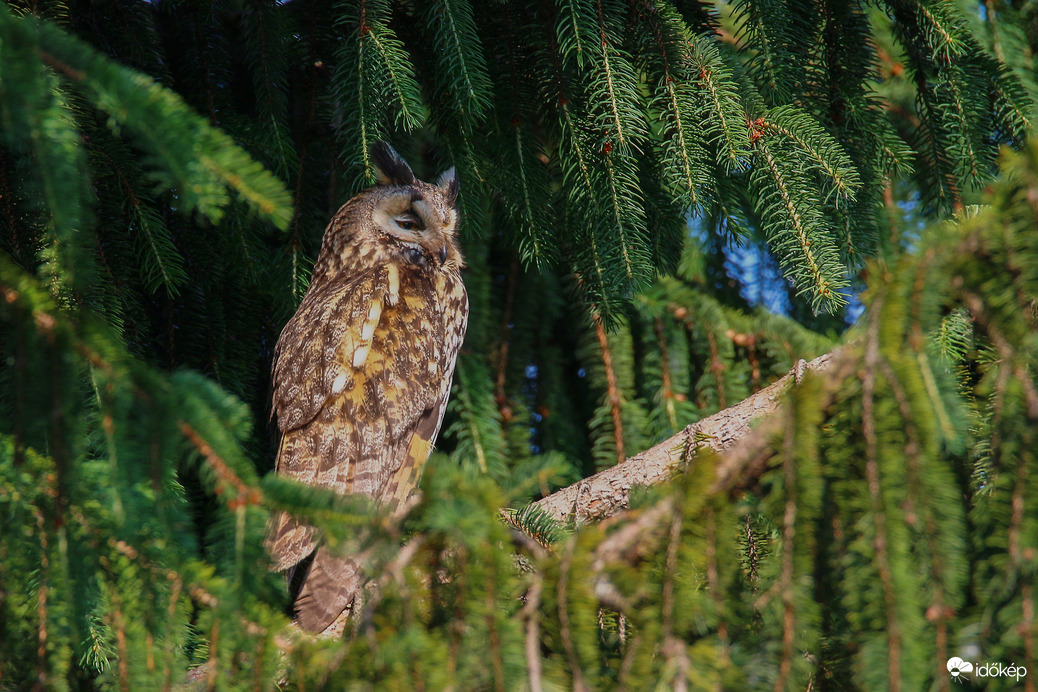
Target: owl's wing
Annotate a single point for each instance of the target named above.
(361, 383)
(406, 476)
(332, 580)
(312, 368)
(328, 323)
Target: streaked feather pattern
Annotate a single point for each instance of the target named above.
(363, 370)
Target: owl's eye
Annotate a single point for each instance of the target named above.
(408, 222)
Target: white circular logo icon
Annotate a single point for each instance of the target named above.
(957, 667)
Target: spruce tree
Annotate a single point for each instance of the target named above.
(668, 208)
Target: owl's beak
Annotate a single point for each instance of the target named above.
(443, 253)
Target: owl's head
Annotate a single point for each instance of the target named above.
(401, 220)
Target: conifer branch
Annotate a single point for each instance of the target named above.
(821, 149)
(668, 392)
(730, 432)
(726, 114)
(939, 610)
(537, 252)
(943, 38)
(716, 368)
(530, 613)
(565, 628)
(469, 92)
(814, 248)
(572, 22)
(572, 136)
(612, 390)
(878, 502)
(603, 43)
(163, 123)
(246, 495)
(789, 517)
(138, 336)
(394, 78)
(684, 144)
(621, 208)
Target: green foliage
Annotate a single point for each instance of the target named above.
(375, 86)
(159, 121)
(163, 189)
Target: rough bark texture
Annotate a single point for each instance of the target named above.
(607, 492)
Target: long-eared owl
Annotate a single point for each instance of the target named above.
(363, 370)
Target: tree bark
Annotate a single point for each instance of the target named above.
(738, 433)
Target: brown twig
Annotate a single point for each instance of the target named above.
(246, 495)
(613, 390)
(868, 428)
(530, 614)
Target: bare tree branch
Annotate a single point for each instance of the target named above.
(740, 432)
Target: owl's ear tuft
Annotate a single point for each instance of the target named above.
(449, 182)
(390, 166)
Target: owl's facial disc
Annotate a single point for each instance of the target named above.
(416, 225)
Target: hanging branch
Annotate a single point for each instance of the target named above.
(614, 391)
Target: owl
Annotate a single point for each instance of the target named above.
(363, 370)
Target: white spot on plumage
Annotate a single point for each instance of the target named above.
(393, 279)
(339, 383)
(360, 356)
(368, 330)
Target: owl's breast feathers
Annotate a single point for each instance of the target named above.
(361, 378)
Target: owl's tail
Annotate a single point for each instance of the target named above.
(329, 588)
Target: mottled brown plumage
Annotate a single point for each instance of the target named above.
(363, 370)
